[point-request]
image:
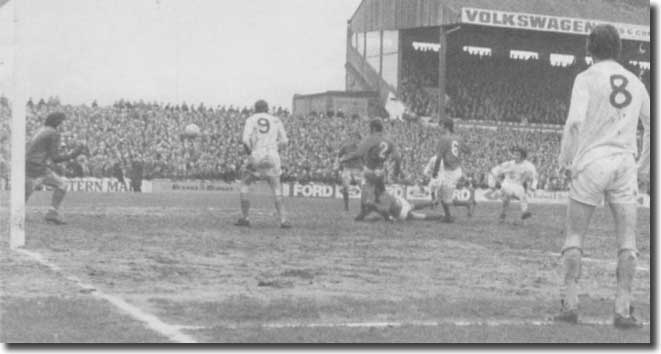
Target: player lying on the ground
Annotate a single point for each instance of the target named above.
(263, 137)
(351, 171)
(374, 151)
(598, 151)
(519, 177)
(42, 150)
(392, 207)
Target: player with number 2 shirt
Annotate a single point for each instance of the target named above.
(375, 150)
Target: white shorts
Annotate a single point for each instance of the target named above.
(511, 190)
(614, 177)
(406, 208)
(449, 183)
(263, 165)
(352, 175)
(435, 184)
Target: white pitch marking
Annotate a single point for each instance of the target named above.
(395, 324)
(172, 332)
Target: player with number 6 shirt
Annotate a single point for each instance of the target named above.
(448, 165)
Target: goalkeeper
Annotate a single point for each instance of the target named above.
(42, 151)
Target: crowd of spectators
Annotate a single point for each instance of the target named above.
(481, 87)
(147, 136)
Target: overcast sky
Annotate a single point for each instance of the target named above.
(212, 51)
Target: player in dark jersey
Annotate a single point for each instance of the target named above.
(43, 150)
(351, 172)
(374, 151)
(450, 151)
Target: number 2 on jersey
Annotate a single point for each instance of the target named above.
(264, 125)
(619, 85)
(383, 150)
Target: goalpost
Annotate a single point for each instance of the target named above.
(18, 103)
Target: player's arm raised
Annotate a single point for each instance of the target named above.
(577, 110)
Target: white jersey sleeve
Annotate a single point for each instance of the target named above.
(644, 159)
(248, 130)
(577, 110)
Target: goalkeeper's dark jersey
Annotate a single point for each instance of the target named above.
(41, 150)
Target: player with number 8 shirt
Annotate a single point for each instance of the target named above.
(598, 151)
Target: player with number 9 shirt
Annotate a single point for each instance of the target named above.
(263, 136)
(374, 150)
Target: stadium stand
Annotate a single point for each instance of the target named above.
(496, 88)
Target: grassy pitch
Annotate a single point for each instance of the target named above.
(179, 257)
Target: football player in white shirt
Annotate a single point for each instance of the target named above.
(263, 137)
(598, 153)
(520, 178)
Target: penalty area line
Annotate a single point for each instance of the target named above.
(171, 332)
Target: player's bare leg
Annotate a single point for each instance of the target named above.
(367, 203)
(625, 229)
(525, 214)
(446, 202)
(245, 201)
(276, 188)
(345, 197)
(578, 220)
(59, 192)
(345, 193)
(506, 205)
